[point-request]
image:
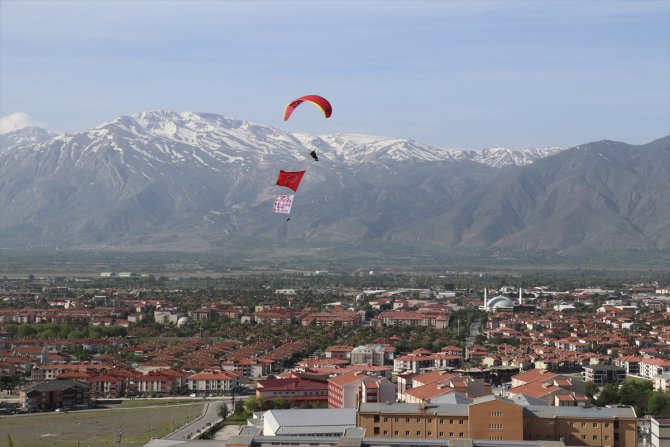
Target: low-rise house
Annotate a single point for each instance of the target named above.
(39, 353)
(411, 363)
(204, 314)
(433, 392)
(545, 379)
(159, 383)
(21, 365)
(475, 353)
(452, 350)
(404, 384)
(250, 368)
(275, 317)
(533, 375)
(107, 385)
(345, 318)
(548, 392)
(213, 382)
(338, 352)
(416, 362)
(54, 394)
(6, 369)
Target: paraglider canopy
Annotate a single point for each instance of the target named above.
(317, 100)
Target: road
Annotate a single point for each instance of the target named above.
(474, 331)
(210, 416)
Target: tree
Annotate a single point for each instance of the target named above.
(26, 331)
(658, 404)
(608, 395)
(280, 403)
(263, 403)
(635, 393)
(238, 408)
(223, 411)
(251, 405)
(591, 389)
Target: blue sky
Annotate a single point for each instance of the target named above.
(469, 74)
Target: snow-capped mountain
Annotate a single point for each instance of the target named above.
(17, 121)
(364, 148)
(18, 129)
(208, 139)
(24, 136)
(195, 180)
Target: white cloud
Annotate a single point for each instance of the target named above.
(17, 121)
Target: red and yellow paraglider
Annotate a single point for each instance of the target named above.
(317, 100)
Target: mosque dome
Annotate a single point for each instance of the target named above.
(499, 302)
(184, 321)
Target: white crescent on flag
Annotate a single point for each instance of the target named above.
(283, 204)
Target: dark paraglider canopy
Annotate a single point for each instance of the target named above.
(317, 100)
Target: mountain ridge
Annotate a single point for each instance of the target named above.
(196, 180)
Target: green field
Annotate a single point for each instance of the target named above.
(98, 428)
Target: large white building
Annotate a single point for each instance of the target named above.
(313, 422)
(498, 303)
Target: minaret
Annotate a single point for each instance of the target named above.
(520, 296)
(486, 297)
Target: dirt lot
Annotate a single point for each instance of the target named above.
(98, 428)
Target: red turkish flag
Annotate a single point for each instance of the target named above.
(290, 179)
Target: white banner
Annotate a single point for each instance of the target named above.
(283, 204)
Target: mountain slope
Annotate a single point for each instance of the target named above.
(602, 195)
(194, 181)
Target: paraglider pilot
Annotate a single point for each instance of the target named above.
(313, 155)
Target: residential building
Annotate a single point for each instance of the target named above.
(660, 432)
(344, 318)
(650, 367)
(434, 390)
(156, 383)
(630, 363)
(107, 385)
(295, 390)
(416, 362)
(213, 382)
(248, 367)
(54, 394)
(602, 374)
(341, 352)
(494, 418)
(204, 314)
(368, 355)
(350, 389)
